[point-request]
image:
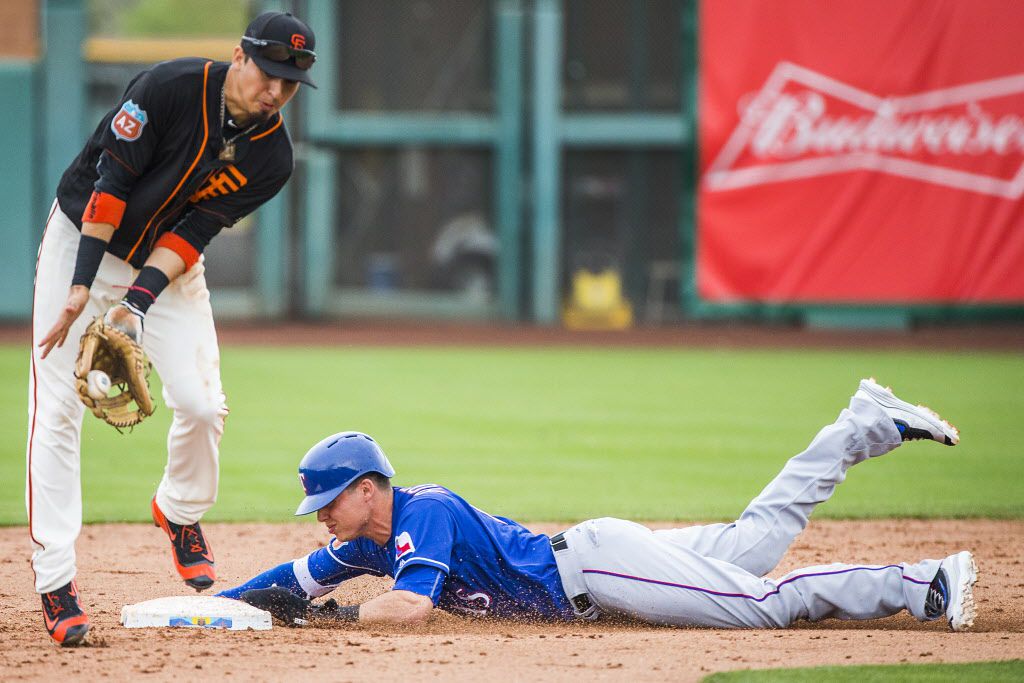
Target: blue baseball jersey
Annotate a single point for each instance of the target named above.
(465, 560)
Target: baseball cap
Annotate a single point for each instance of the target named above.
(281, 45)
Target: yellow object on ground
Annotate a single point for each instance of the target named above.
(597, 302)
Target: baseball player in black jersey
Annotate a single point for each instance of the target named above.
(193, 146)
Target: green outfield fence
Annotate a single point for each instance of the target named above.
(569, 146)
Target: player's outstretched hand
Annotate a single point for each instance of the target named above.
(78, 296)
(282, 604)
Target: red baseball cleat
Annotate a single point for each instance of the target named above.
(63, 616)
(192, 555)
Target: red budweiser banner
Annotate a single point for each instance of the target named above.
(861, 151)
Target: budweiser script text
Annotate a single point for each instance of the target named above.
(790, 125)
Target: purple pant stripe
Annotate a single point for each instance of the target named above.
(744, 595)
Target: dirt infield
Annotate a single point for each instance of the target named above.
(121, 563)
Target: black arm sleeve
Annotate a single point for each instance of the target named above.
(87, 261)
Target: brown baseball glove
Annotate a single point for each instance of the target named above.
(111, 345)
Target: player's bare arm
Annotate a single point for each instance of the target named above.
(126, 317)
(167, 261)
(396, 607)
(78, 295)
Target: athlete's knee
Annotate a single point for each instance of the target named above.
(203, 412)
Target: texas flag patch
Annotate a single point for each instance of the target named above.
(128, 122)
(403, 544)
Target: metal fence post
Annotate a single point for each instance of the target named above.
(547, 252)
(318, 243)
(689, 177)
(507, 178)
(272, 256)
(21, 226)
(63, 88)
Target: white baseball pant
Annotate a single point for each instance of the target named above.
(714, 575)
(181, 341)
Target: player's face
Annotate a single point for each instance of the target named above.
(258, 94)
(348, 515)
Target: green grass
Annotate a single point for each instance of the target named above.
(566, 433)
(164, 18)
(979, 672)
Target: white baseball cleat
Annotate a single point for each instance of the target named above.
(914, 422)
(952, 591)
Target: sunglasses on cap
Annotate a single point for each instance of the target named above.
(280, 52)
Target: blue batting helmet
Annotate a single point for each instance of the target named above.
(334, 463)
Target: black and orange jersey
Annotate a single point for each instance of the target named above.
(159, 151)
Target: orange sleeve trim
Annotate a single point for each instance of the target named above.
(104, 208)
(280, 120)
(179, 246)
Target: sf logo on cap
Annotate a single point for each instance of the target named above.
(298, 41)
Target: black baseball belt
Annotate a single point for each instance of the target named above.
(582, 601)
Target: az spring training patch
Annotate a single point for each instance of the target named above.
(128, 122)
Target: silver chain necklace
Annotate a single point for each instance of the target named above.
(227, 147)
